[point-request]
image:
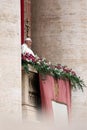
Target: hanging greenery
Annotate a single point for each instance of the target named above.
(57, 71)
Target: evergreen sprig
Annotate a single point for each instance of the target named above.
(57, 71)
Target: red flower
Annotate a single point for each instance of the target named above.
(73, 73)
(28, 56)
(59, 66)
(23, 57)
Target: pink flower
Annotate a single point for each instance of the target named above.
(28, 57)
(59, 66)
(73, 73)
(66, 70)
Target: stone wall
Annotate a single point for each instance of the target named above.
(10, 58)
(59, 33)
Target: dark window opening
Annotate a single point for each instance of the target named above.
(34, 91)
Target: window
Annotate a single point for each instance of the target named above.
(31, 99)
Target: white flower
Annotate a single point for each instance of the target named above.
(43, 59)
(36, 56)
(38, 62)
(49, 63)
(45, 63)
(27, 60)
(48, 68)
(56, 69)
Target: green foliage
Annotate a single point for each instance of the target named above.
(46, 69)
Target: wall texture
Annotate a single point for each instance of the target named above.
(59, 33)
(10, 58)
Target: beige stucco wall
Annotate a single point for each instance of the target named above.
(59, 33)
(10, 58)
